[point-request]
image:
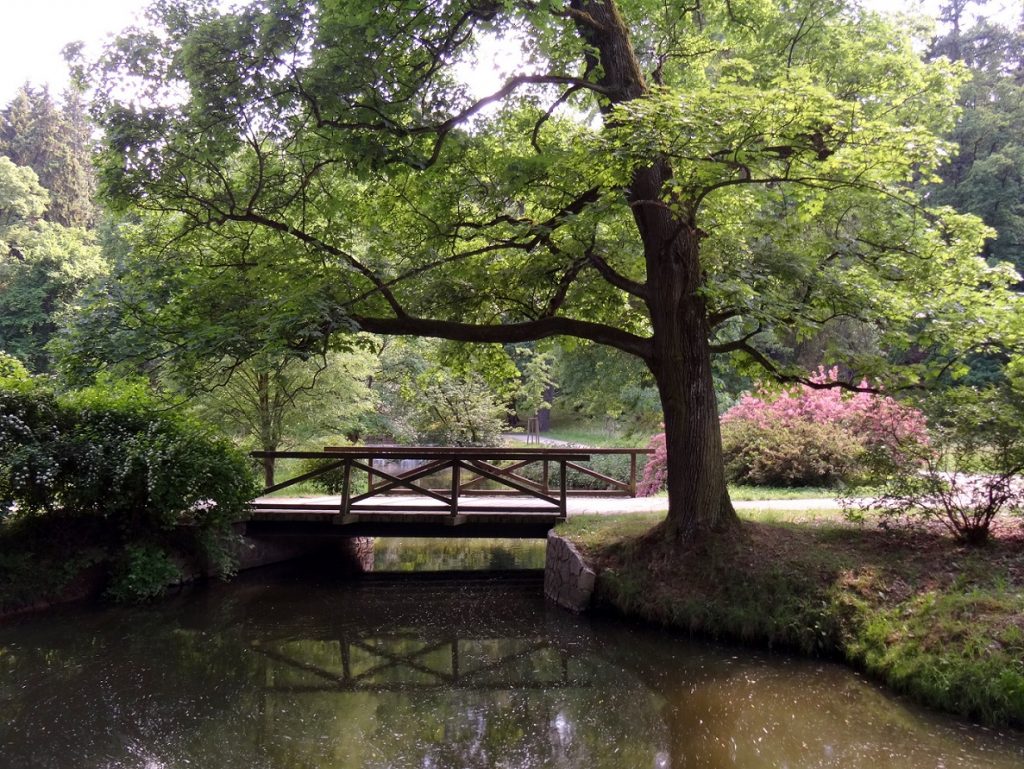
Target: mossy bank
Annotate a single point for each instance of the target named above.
(939, 622)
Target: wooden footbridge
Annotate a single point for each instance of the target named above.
(422, 491)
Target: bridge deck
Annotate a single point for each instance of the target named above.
(379, 496)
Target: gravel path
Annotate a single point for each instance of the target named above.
(616, 505)
(605, 505)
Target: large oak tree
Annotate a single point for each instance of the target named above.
(672, 180)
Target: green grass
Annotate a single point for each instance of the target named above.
(304, 489)
(779, 493)
(596, 436)
(781, 515)
(289, 468)
(599, 531)
(745, 493)
(935, 620)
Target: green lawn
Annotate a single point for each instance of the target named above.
(596, 434)
(744, 493)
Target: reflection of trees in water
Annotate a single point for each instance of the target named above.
(446, 673)
(459, 701)
(92, 694)
(457, 554)
(736, 708)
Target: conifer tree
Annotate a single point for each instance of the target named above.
(55, 142)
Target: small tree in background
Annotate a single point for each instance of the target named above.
(536, 382)
(965, 476)
(280, 401)
(456, 411)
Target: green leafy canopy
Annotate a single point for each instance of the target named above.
(672, 181)
(302, 166)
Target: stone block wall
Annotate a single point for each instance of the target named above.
(568, 581)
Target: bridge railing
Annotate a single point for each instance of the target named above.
(373, 479)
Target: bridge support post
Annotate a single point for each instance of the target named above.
(563, 485)
(455, 487)
(346, 487)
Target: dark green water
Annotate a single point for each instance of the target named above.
(295, 668)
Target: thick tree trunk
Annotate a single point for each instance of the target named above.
(681, 364)
(698, 499)
(681, 356)
(268, 439)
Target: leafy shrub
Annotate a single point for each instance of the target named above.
(807, 436)
(967, 475)
(111, 453)
(655, 476)
(877, 420)
(142, 572)
(12, 368)
(798, 453)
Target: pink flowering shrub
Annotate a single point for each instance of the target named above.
(656, 470)
(806, 436)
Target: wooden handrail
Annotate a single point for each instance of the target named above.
(478, 464)
(431, 452)
(467, 465)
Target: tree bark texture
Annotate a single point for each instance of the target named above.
(680, 357)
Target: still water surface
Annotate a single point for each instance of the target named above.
(298, 668)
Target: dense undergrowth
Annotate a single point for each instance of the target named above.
(938, 621)
(108, 477)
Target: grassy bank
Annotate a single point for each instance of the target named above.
(52, 560)
(939, 622)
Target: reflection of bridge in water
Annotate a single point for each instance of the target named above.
(448, 672)
(405, 663)
(403, 645)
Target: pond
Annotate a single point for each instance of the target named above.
(297, 667)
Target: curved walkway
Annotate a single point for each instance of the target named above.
(579, 505)
(620, 505)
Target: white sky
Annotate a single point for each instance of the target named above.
(33, 32)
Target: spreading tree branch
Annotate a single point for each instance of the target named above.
(508, 333)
